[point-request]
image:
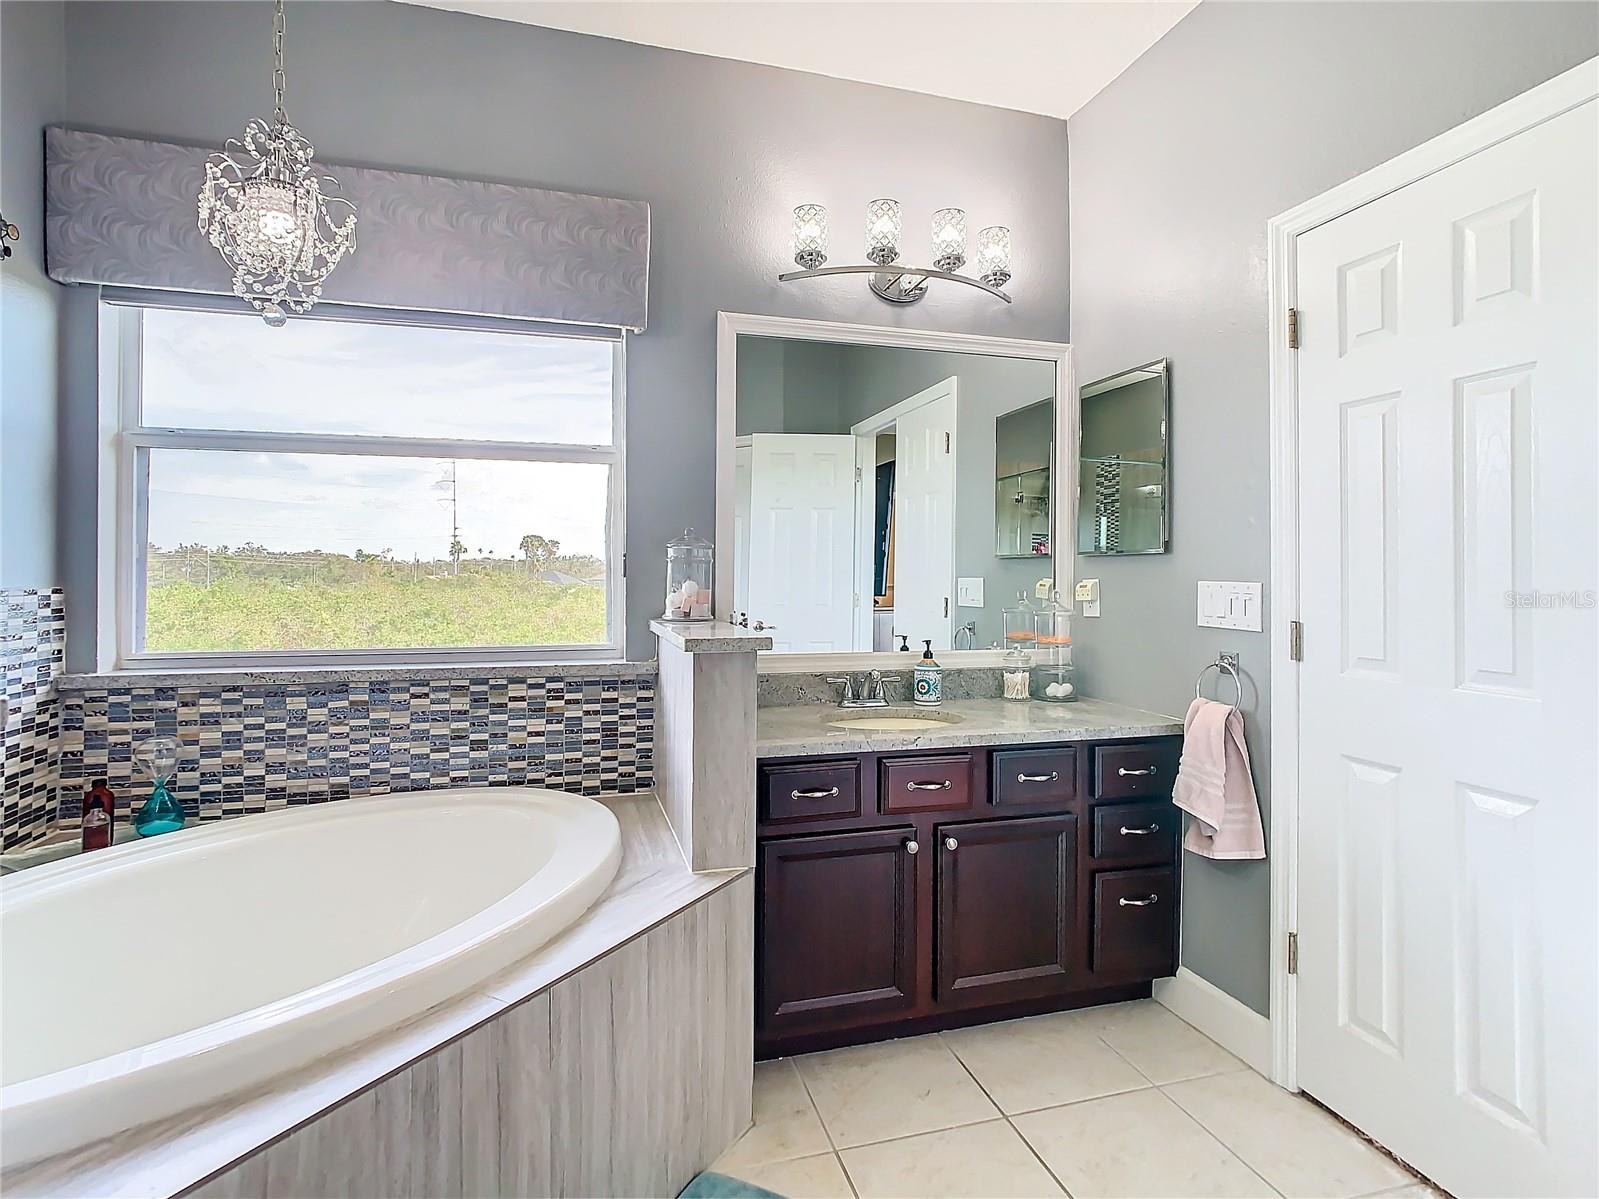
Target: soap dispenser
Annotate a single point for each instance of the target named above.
(929, 679)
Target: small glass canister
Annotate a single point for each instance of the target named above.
(689, 563)
(1021, 623)
(1053, 674)
(1014, 673)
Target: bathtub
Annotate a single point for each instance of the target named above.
(144, 980)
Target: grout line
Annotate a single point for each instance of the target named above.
(1004, 1115)
(826, 1131)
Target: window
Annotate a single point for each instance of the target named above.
(345, 490)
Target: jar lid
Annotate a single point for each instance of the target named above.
(689, 542)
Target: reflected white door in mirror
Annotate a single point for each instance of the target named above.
(856, 481)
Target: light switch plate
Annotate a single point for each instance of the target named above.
(1087, 594)
(1229, 606)
(969, 593)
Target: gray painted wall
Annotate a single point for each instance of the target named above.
(722, 151)
(1241, 112)
(32, 93)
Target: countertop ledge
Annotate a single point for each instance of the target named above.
(801, 731)
(294, 676)
(709, 636)
(171, 1156)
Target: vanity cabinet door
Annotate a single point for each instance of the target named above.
(837, 928)
(1006, 893)
(1135, 924)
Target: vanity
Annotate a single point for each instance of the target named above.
(1019, 859)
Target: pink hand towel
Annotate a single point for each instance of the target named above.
(1214, 785)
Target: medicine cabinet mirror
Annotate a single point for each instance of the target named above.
(1124, 463)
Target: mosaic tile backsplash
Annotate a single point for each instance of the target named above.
(257, 747)
(32, 642)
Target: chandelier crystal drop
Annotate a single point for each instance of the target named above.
(264, 210)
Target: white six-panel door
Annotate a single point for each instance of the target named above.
(1448, 854)
(802, 539)
(924, 517)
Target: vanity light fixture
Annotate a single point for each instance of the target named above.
(890, 281)
(267, 215)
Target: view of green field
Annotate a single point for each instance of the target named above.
(201, 599)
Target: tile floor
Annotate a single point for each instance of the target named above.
(1124, 1100)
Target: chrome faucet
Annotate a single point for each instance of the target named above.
(863, 691)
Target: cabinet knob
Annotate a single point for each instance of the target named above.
(951, 844)
(914, 786)
(912, 847)
(1138, 903)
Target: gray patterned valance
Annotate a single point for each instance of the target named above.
(121, 211)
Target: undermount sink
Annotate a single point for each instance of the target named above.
(890, 720)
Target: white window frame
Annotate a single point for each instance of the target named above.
(123, 540)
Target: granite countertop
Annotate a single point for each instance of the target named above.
(709, 636)
(802, 731)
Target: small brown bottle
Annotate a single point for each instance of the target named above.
(99, 816)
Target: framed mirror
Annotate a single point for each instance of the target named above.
(1124, 463)
(867, 481)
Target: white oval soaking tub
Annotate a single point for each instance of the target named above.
(158, 976)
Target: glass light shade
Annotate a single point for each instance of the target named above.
(949, 239)
(993, 255)
(882, 231)
(810, 236)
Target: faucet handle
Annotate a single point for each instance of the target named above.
(849, 687)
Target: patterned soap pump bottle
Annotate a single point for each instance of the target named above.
(162, 813)
(929, 678)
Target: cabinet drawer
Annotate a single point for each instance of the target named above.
(1139, 768)
(1135, 924)
(1131, 834)
(1034, 776)
(927, 783)
(801, 791)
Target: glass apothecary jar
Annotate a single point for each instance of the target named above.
(1054, 682)
(1014, 673)
(689, 565)
(1021, 623)
(1053, 676)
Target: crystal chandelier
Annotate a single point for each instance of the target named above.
(267, 214)
(890, 279)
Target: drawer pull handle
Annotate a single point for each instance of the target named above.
(951, 844)
(1138, 903)
(1140, 832)
(912, 848)
(944, 786)
(1124, 772)
(1038, 778)
(814, 793)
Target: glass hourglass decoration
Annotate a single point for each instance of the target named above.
(162, 813)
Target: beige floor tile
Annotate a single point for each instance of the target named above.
(1294, 1145)
(1416, 1190)
(986, 1160)
(1163, 1047)
(1042, 1061)
(786, 1124)
(818, 1177)
(895, 1089)
(1136, 1146)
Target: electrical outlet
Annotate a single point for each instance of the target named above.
(1087, 594)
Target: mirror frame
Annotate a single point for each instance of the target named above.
(1163, 365)
(730, 326)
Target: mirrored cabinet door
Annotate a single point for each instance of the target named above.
(1124, 463)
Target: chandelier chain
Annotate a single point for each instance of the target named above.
(279, 81)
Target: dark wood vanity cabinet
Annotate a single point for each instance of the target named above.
(902, 892)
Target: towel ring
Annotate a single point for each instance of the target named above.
(1225, 664)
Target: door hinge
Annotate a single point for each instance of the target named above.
(946, 441)
(1293, 328)
(857, 474)
(1293, 953)
(1296, 641)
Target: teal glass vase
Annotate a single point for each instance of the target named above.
(161, 813)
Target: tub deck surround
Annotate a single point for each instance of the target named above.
(801, 731)
(704, 758)
(652, 888)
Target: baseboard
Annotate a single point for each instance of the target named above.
(1233, 1025)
